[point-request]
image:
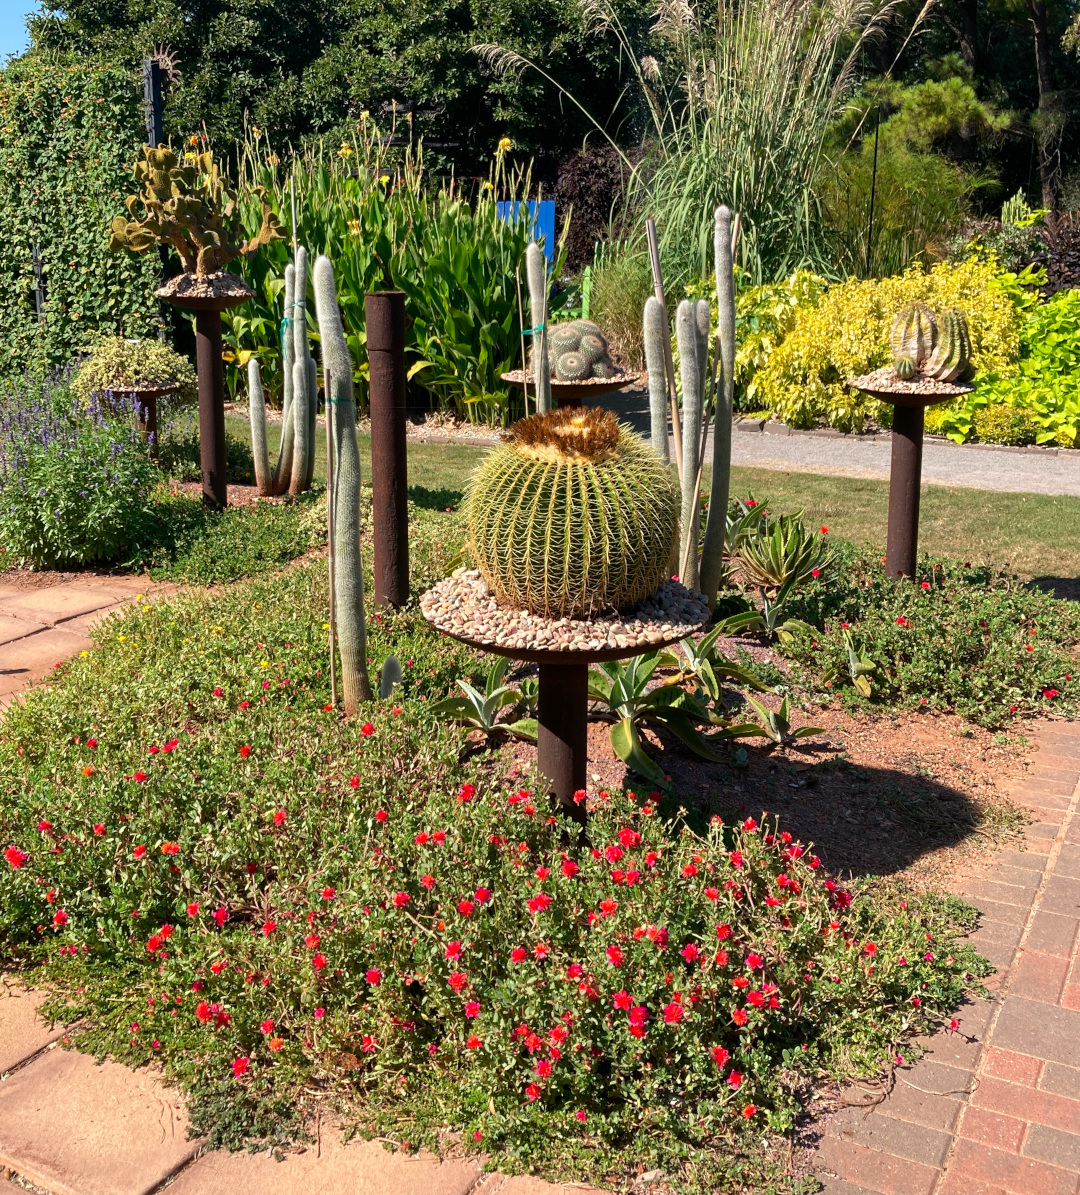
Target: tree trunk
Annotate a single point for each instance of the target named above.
(969, 34)
(1048, 127)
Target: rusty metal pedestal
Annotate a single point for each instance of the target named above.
(905, 475)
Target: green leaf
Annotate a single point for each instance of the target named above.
(626, 743)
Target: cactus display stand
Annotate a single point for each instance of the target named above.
(145, 402)
(571, 394)
(462, 606)
(211, 374)
(910, 400)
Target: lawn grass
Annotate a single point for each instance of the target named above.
(1035, 534)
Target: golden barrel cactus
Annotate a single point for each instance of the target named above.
(574, 515)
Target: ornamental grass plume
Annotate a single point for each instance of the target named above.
(573, 515)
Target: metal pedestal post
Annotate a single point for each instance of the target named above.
(211, 408)
(385, 322)
(905, 476)
(562, 741)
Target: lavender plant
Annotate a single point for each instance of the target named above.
(75, 478)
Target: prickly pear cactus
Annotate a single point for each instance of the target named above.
(912, 338)
(187, 204)
(951, 359)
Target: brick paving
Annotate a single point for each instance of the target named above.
(994, 1109)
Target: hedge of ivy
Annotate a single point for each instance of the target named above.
(68, 135)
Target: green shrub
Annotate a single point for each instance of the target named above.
(764, 316)
(1005, 425)
(116, 365)
(180, 458)
(621, 282)
(75, 480)
(968, 639)
(69, 135)
(258, 895)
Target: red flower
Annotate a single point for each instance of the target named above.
(815, 572)
(193, 909)
(623, 999)
(720, 1055)
(532, 1091)
(581, 1115)
(170, 848)
(690, 952)
(734, 1080)
(824, 531)
(318, 961)
(472, 1042)
(519, 954)
(240, 1066)
(401, 899)
(16, 857)
(381, 815)
(139, 852)
(721, 957)
(749, 1111)
(202, 1011)
(739, 1017)
(712, 893)
(472, 1008)
(482, 896)
(92, 744)
(613, 853)
(615, 956)
(245, 751)
(673, 1013)
(268, 928)
(870, 948)
(311, 941)
(925, 585)
(374, 977)
(458, 980)
(638, 1015)
(608, 906)
(901, 621)
(60, 918)
(275, 1043)
(466, 794)
(354, 782)
(1050, 694)
(220, 917)
(629, 838)
(754, 961)
(328, 894)
(575, 971)
(367, 729)
(99, 828)
(279, 817)
(539, 902)
(453, 950)
(427, 881)
(543, 1069)
(139, 777)
(267, 1026)
(421, 838)
(465, 908)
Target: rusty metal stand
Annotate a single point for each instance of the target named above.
(211, 374)
(902, 549)
(562, 741)
(384, 313)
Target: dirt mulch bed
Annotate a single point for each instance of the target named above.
(239, 495)
(875, 794)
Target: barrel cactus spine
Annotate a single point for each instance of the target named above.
(345, 482)
(536, 271)
(572, 516)
(712, 548)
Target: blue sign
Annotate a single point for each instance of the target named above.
(542, 220)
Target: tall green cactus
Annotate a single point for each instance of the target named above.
(655, 326)
(345, 485)
(712, 549)
(536, 271)
(304, 384)
(274, 482)
(688, 336)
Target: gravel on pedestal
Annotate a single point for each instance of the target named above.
(884, 381)
(462, 605)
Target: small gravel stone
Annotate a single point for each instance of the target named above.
(462, 605)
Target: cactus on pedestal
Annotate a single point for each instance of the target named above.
(912, 339)
(951, 359)
(536, 271)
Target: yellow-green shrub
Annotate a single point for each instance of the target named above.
(847, 334)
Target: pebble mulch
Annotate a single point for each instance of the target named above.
(205, 286)
(462, 605)
(885, 381)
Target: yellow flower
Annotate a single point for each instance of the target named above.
(264, 664)
(486, 186)
(364, 115)
(84, 653)
(384, 179)
(345, 151)
(505, 144)
(121, 638)
(255, 131)
(354, 227)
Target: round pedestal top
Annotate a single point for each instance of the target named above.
(462, 606)
(918, 392)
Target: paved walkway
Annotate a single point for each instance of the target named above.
(994, 1109)
(977, 466)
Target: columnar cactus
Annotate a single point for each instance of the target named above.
(536, 270)
(712, 549)
(688, 336)
(912, 339)
(655, 327)
(296, 459)
(573, 515)
(345, 484)
(951, 359)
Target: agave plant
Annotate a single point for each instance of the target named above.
(701, 662)
(776, 724)
(623, 688)
(481, 709)
(786, 552)
(859, 670)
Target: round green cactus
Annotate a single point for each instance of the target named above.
(593, 348)
(573, 515)
(565, 338)
(905, 368)
(573, 367)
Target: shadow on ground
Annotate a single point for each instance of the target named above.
(1059, 587)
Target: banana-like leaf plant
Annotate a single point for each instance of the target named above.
(623, 688)
(776, 724)
(481, 709)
